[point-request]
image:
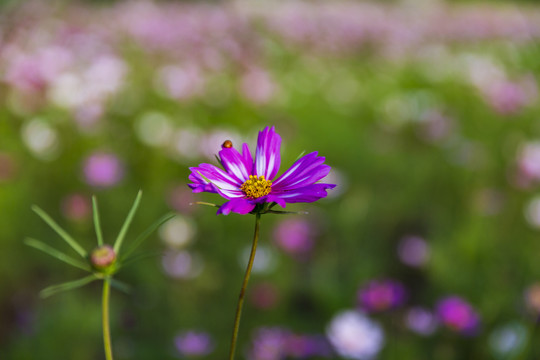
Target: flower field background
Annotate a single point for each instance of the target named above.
(427, 112)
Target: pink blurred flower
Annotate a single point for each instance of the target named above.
(295, 236)
(257, 86)
(103, 170)
(264, 296)
(76, 207)
(413, 251)
(510, 97)
(8, 167)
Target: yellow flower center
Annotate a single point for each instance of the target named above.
(255, 187)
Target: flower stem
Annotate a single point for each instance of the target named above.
(244, 286)
(105, 319)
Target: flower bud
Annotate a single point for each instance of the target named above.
(103, 257)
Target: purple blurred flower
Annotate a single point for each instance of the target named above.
(353, 335)
(193, 343)
(421, 321)
(301, 346)
(246, 183)
(381, 295)
(413, 251)
(277, 343)
(269, 344)
(294, 236)
(103, 170)
(458, 315)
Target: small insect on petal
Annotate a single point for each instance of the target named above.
(227, 144)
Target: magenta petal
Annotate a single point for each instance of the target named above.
(235, 164)
(305, 171)
(267, 157)
(306, 194)
(211, 174)
(248, 159)
(240, 206)
(272, 198)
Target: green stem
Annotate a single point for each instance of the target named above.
(105, 320)
(244, 286)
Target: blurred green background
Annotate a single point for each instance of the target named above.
(427, 112)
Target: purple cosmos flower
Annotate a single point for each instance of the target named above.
(247, 183)
(458, 315)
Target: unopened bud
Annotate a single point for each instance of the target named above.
(103, 257)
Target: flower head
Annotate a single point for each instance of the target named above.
(247, 182)
(458, 315)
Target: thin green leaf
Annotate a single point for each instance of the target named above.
(219, 161)
(285, 212)
(125, 227)
(63, 234)
(70, 285)
(207, 179)
(146, 233)
(97, 224)
(299, 156)
(119, 285)
(205, 203)
(56, 253)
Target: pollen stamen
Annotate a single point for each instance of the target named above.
(256, 187)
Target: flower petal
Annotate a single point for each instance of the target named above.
(306, 194)
(200, 184)
(267, 157)
(240, 206)
(235, 164)
(305, 171)
(248, 159)
(273, 198)
(211, 174)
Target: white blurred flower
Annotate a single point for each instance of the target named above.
(40, 138)
(154, 128)
(265, 259)
(509, 340)
(421, 321)
(180, 82)
(182, 264)
(532, 212)
(186, 142)
(177, 232)
(353, 335)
